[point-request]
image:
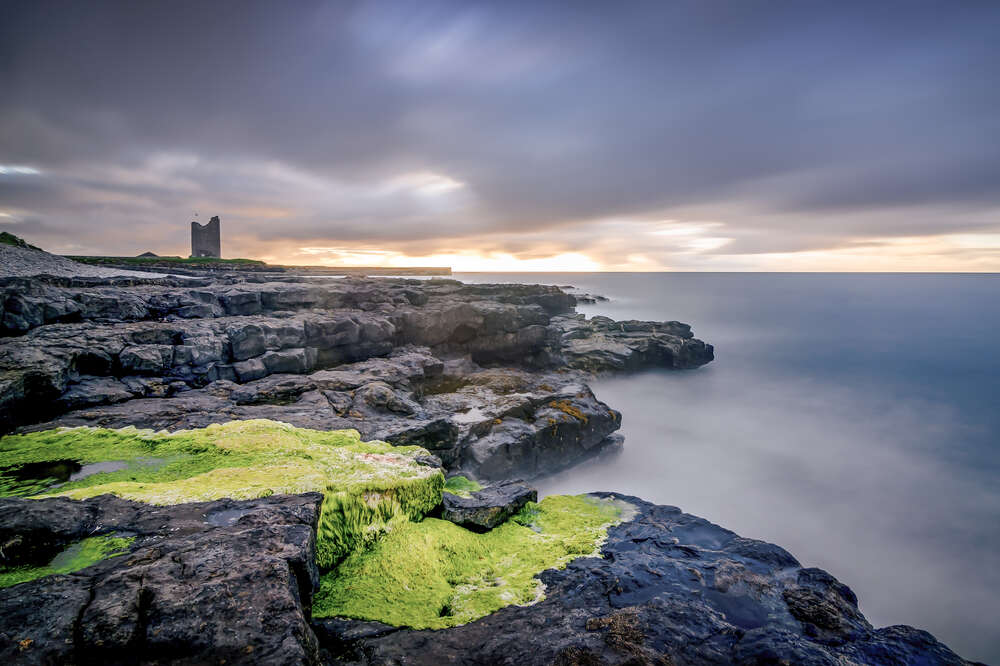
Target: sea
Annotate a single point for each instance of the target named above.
(853, 419)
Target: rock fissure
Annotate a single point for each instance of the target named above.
(77, 627)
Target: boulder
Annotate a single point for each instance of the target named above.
(246, 341)
(91, 391)
(601, 344)
(239, 302)
(146, 359)
(247, 371)
(290, 360)
(485, 509)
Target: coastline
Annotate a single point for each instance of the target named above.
(496, 373)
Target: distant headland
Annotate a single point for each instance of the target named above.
(206, 254)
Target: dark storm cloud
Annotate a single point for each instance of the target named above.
(797, 125)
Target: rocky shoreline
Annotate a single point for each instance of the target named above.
(490, 381)
(491, 378)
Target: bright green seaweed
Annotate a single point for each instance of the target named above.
(75, 557)
(461, 486)
(435, 574)
(394, 565)
(365, 484)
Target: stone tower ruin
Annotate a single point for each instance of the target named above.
(205, 239)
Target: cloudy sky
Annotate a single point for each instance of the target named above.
(666, 135)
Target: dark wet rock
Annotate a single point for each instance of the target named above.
(489, 507)
(669, 588)
(146, 359)
(290, 360)
(247, 371)
(211, 582)
(91, 391)
(340, 638)
(276, 389)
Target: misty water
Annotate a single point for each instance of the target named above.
(851, 418)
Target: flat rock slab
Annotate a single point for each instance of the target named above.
(203, 583)
(489, 507)
(669, 588)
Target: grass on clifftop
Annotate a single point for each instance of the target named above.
(140, 261)
(7, 238)
(434, 574)
(76, 556)
(366, 485)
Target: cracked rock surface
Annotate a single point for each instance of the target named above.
(209, 582)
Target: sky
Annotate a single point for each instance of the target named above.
(685, 135)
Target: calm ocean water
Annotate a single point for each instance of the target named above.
(852, 418)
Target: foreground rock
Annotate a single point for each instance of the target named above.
(233, 581)
(213, 582)
(670, 588)
(489, 507)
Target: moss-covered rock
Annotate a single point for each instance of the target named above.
(486, 508)
(394, 566)
(367, 485)
(435, 574)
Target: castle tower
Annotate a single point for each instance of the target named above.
(205, 239)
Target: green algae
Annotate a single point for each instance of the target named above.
(239, 459)
(352, 521)
(365, 484)
(461, 486)
(75, 557)
(434, 574)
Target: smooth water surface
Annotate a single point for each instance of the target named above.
(852, 418)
